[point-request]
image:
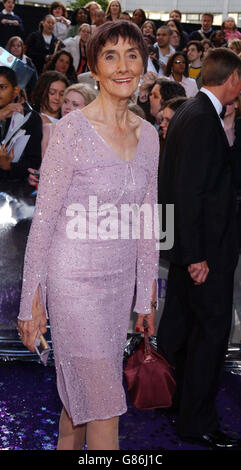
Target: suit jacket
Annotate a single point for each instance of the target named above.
(9, 30)
(36, 49)
(195, 175)
(31, 156)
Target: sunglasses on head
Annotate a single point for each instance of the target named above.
(178, 61)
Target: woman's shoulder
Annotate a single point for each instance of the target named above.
(148, 128)
(74, 119)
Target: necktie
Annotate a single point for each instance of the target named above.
(222, 114)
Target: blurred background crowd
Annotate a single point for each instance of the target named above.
(60, 81)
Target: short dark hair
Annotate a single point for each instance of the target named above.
(169, 89)
(167, 28)
(208, 14)
(198, 45)
(171, 60)
(176, 11)
(59, 4)
(39, 97)
(175, 103)
(111, 31)
(9, 74)
(218, 65)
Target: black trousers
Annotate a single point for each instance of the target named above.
(193, 335)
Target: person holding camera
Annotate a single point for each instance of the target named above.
(10, 24)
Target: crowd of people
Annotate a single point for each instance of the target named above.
(60, 45)
(126, 117)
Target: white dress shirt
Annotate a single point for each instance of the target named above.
(215, 101)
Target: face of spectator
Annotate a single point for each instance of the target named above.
(167, 115)
(137, 17)
(124, 16)
(119, 67)
(99, 17)
(114, 8)
(233, 88)
(55, 95)
(163, 37)
(16, 48)
(92, 9)
(192, 53)
(7, 92)
(179, 65)
(175, 16)
(62, 64)
(85, 33)
(206, 22)
(175, 39)
(72, 100)
(219, 39)
(234, 49)
(229, 24)
(48, 25)
(81, 16)
(58, 11)
(155, 100)
(9, 5)
(148, 29)
(172, 25)
(206, 46)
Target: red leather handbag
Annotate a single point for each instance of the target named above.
(149, 378)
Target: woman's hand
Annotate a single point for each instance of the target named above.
(150, 320)
(5, 158)
(30, 329)
(33, 179)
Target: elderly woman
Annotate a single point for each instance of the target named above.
(83, 254)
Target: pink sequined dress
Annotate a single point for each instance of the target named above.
(85, 277)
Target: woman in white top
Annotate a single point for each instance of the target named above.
(177, 70)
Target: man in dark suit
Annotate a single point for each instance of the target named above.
(196, 176)
(31, 155)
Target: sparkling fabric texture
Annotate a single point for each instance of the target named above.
(89, 282)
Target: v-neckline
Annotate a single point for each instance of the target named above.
(109, 147)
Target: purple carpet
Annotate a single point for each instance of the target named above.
(30, 409)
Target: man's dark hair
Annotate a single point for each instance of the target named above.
(198, 45)
(208, 14)
(167, 28)
(175, 103)
(9, 74)
(218, 65)
(169, 89)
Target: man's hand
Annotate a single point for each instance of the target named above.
(5, 158)
(8, 110)
(198, 272)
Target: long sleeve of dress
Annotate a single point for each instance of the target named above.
(147, 251)
(55, 179)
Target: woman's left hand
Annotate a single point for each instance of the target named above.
(150, 320)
